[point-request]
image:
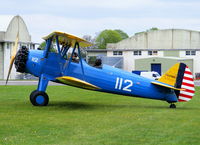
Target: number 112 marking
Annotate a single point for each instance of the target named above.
(120, 82)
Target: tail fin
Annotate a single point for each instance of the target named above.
(180, 76)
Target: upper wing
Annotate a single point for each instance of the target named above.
(69, 39)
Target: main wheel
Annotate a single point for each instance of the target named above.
(172, 106)
(39, 98)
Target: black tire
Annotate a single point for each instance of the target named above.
(32, 93)
(39, 98)
(172, 106)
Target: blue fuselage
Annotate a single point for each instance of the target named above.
(107, 78)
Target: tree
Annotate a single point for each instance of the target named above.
(123, 34)
(90, 39)
(42, 45)
(108, 36)
(151, 29)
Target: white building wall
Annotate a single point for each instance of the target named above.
(161, 53)
(181, 39)
(6, 59)
(195, 40)
(129, 58)
(196, 60)
(1, 62)
(110, 53)
(160, 39)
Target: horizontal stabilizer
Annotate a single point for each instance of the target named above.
(165, 85)
(77, 82)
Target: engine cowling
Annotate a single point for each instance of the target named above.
(21, 58)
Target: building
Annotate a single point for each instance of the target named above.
(158, 50)
(7, 40)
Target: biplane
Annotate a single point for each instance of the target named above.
(57, 63)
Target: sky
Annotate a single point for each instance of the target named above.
(90, 17)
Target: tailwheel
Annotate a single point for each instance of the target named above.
(39, 98)
(172, 106)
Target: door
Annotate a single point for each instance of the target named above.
(156, 67)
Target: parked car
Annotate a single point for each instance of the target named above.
(148, 74)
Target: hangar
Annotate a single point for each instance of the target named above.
(8, 33)
(158, 50)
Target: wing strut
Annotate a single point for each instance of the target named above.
(80, 59)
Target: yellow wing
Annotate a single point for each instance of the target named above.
(77, 82)
(68, 39)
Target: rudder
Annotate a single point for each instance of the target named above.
(181, 77)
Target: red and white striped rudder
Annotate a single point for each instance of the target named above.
(188, 86)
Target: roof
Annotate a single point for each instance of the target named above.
(10, 26)
(165, 39)
(175, 58)
(68, 38)
(96, 50)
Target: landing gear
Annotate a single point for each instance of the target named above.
(172, 106)
(39, 98)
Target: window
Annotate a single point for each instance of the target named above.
(193, 52)
(137, 52)
(117, 53)
(187, 53)
(190, 52)
(150, 52)
(8, 45)
(153, 52)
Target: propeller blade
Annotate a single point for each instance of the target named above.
(14, 52)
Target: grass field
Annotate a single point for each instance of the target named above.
(80, 117)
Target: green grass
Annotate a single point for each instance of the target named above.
(80, 117)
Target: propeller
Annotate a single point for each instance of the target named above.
(14, 52)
